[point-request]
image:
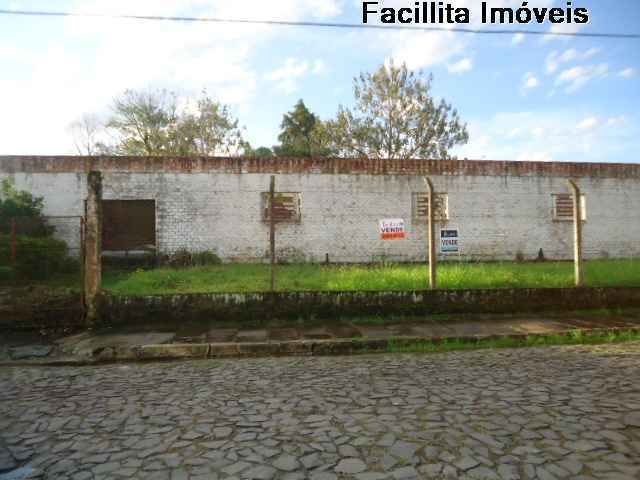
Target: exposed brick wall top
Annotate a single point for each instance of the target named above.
(59, 164)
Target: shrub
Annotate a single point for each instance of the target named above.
(37, 258)
(6, 274)
(183, 258)
(25, 209)
(206, 258)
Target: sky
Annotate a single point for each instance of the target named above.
(523, 97)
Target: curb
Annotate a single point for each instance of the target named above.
(191, 351)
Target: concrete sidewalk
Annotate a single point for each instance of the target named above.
(202, 341)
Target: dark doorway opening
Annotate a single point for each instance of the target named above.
(128, 225)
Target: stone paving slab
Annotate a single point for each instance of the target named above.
(221, 335)
(541, 327)
(427, 329)
(251, 336)
(284, 334)
(316, 333)
(601, 323)
(87, 344)
(330, 339)
(541, 413)
(30, 351)
(434, 329)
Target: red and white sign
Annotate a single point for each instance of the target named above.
(392, 229)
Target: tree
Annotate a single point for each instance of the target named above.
(395, 116)
(143, 121)
(258, 152)
(19, 204)
(85, 132)
(150, 123)
(301, 134)
(209, 131)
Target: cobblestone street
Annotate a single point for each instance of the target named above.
(562, 412)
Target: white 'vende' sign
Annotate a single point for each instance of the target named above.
(392, 229)
(449, 241)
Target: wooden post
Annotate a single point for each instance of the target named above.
(272, 231)
(93, 247)
(431, 235)
(13, 242)
(577, 232)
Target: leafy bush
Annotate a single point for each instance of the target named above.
(6, 274)
(183, 258)
(25, 209)
(37, 258)
(202, 259)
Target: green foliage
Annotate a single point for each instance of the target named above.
(150, 123)
(7, 274)
(38, 255)
(143, 120)
(16, 203)
(451, 275)
(202, 259)
(395, 116)
(209, 131)
(23, 207)
(37, 258)
(301, 134)
(183, 258)
(261, 152)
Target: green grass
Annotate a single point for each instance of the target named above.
(451, 275)
(573, 338)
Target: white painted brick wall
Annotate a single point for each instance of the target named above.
(498, 216)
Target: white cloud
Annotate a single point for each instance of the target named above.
(286, 77)
(461, 66)
(518, 38)
(530, 81)
(627, 73)
(555, 59)
(423, 49)
(588, 123)
(9, 52)
(592, 123)
(538, 132)
(535, 156)
(617, 121)
(591, 52)
(113, 55)
(577, 77)
(319, 67)
(551, 135)
(562, 28)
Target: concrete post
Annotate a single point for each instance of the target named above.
(272, 231)
(577, 232)
(93, 247)
(431, 235)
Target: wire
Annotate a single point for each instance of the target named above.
(321, 24)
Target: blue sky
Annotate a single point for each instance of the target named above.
(524, 98)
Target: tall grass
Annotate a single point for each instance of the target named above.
(255, 278)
